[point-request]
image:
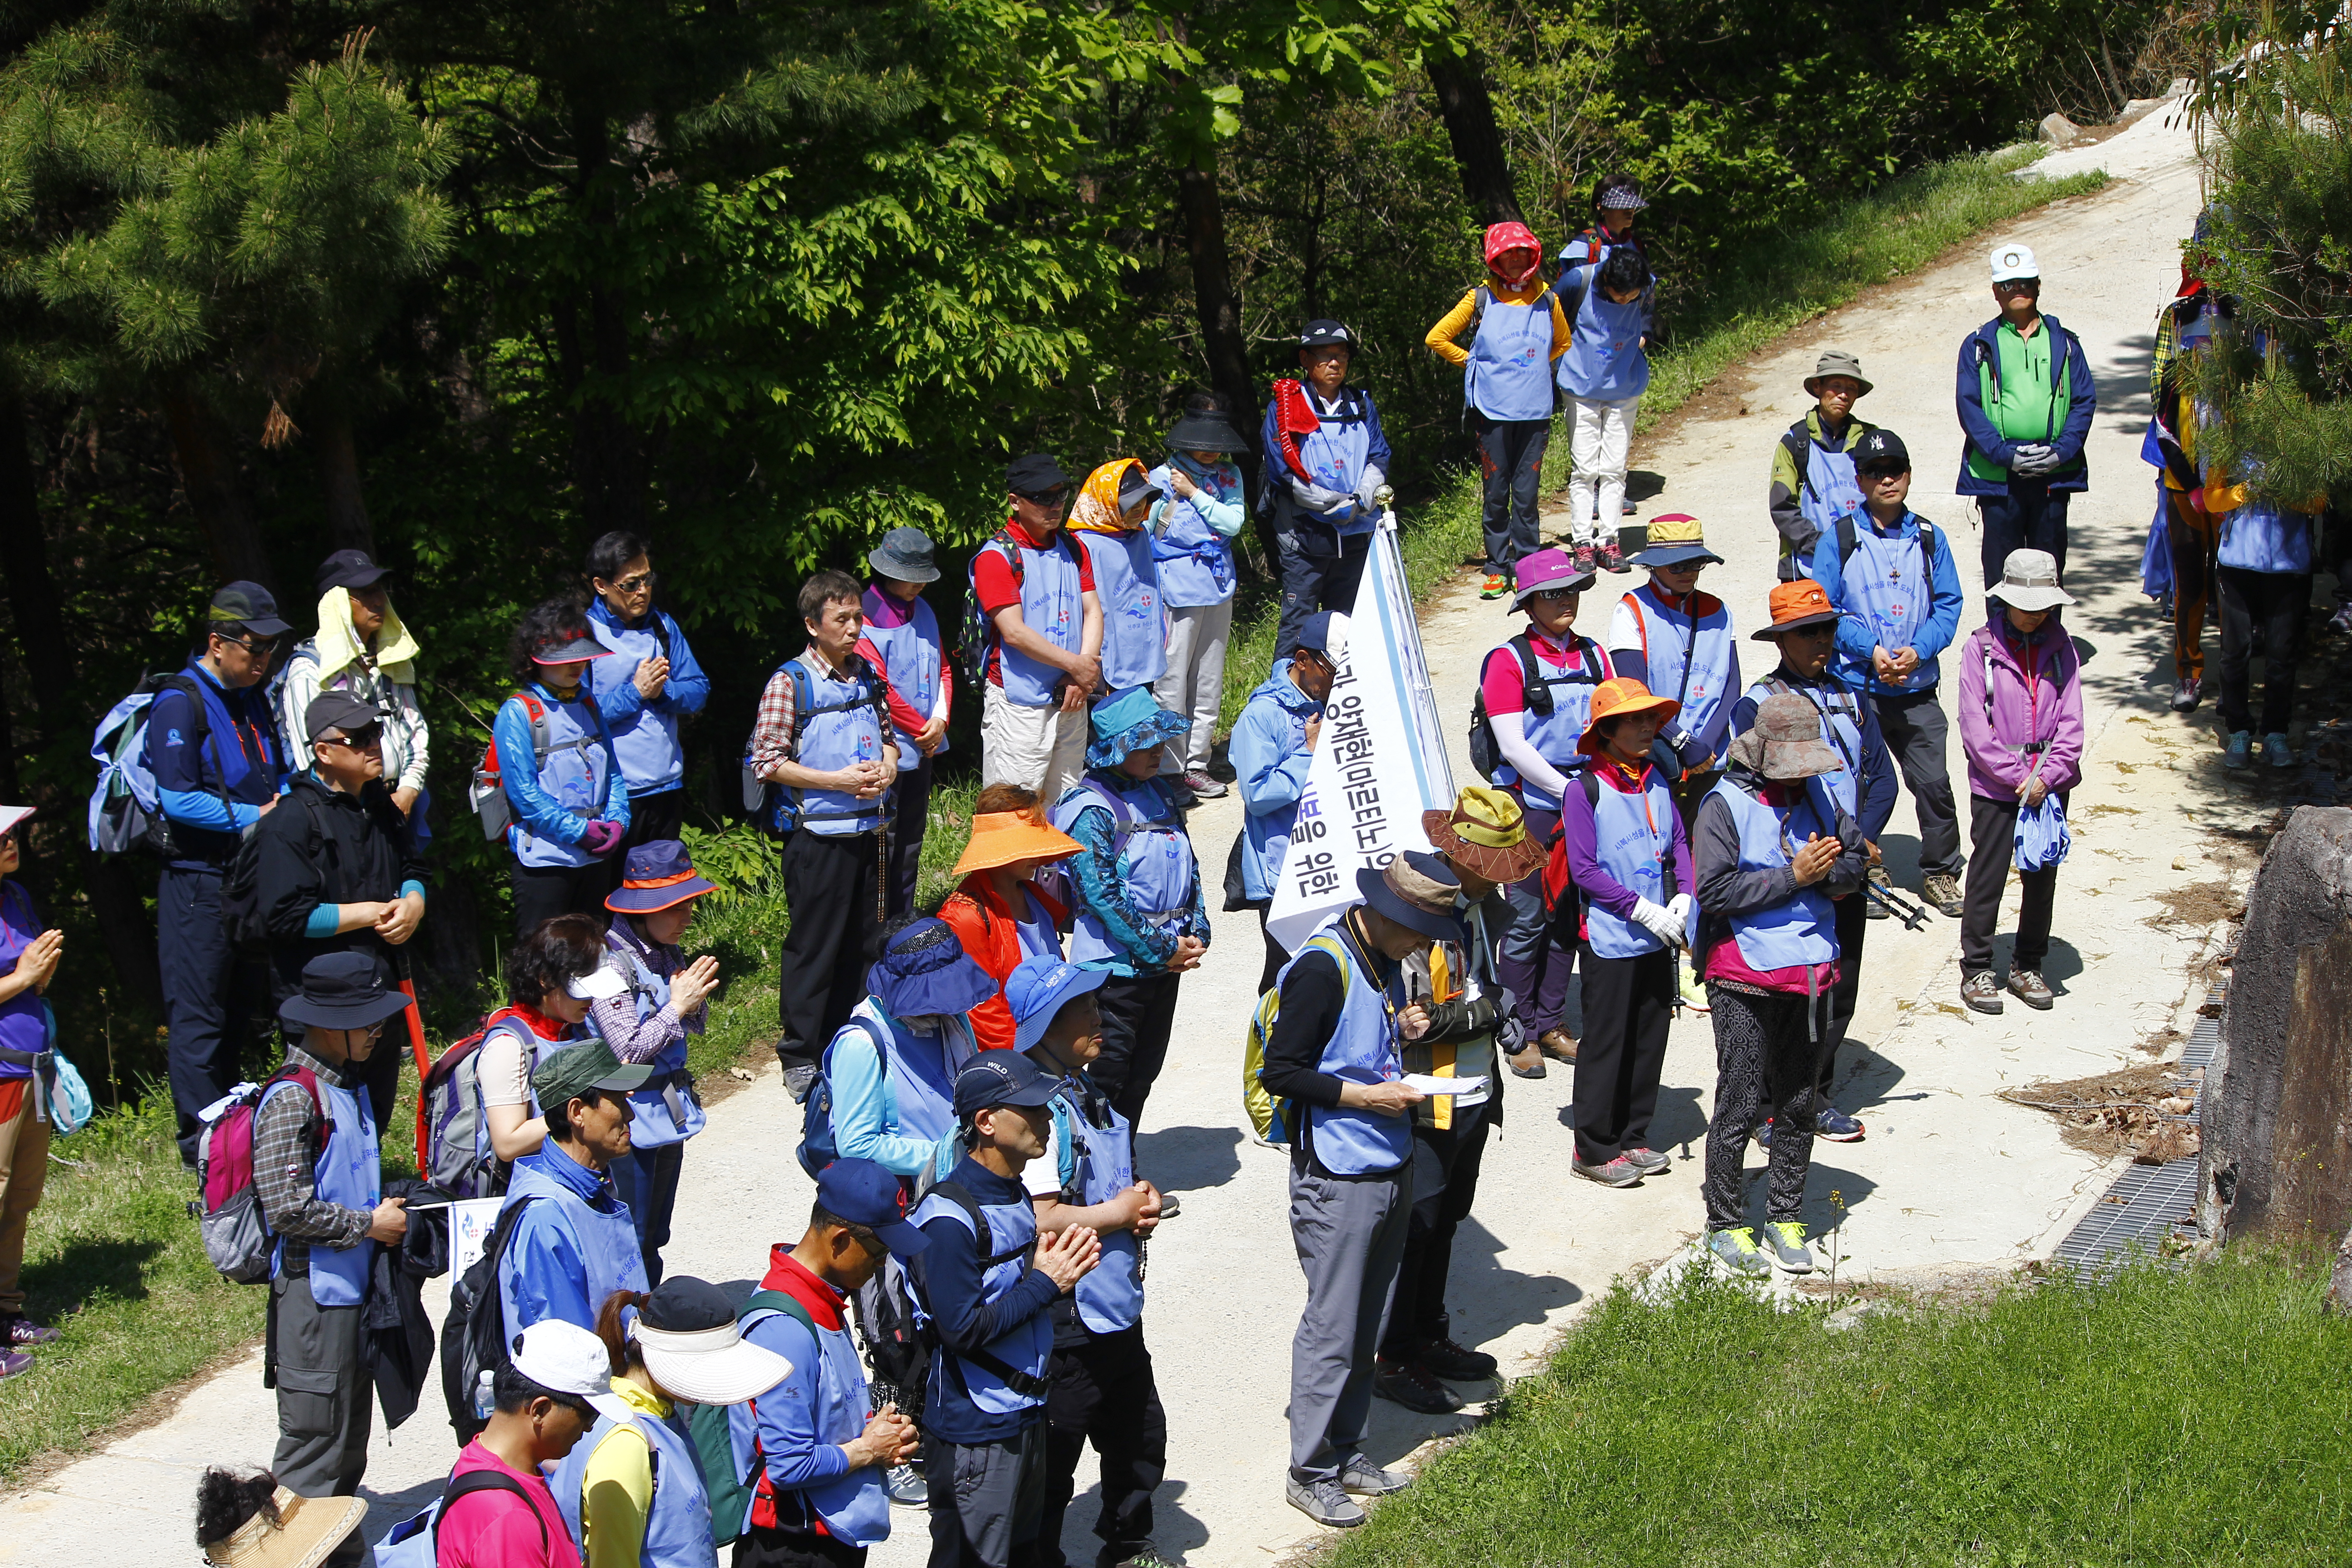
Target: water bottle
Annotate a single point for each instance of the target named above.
(484, 1402)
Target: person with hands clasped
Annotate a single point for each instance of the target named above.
(565, 792)
(2021, 729)
(1272, 748)
(902, 644)
(1034, 589)
(650, 684)
(29, 954)
(1192, 529)
(1326, 461)
(364, 649)
(1677, 642)
(2026, 401)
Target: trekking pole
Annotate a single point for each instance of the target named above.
(1913, 916)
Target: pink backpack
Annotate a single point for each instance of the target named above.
(237, 1237)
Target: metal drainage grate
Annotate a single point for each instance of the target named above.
(2149, 1203)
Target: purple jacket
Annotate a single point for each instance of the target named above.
(2051, 713)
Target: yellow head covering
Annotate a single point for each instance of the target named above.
(1098, 510)
(338, 642)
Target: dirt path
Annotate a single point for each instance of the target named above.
(1950, 1177)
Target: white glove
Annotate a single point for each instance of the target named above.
(1373, 480)
(1679, 909)
(1658, 921)
(1315, 498)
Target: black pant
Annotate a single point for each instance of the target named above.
(646, 1180)
(985, 1499)
(1445, 1162)
(829, 886)
(1628, 1003)
(1104, 1390)
(1138, 1015)
(1853, 913)
(2270, 606)
(543, 892)
(762, 1548)
(1992, 840)
(1277, 955)
(911, 813)
(212, 996)
(1766, 1048)
(652, 817)
(1915, 733)
(1510, 461)
(1312, 583)
(2031, 516)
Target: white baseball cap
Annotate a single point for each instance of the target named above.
(12, 814)
(2011, 262)
(601, 984)
(564, 1358)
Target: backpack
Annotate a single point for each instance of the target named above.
(126, 812)
(1849, 541)
(241, 912)
(1276, 1119)
(771, 805)
(926, 1337)
(227, 1210)
(456, 1144)
(474, 1335)
(488, 794)
(1486, 755)
(978, 638)
(416, 1541)
(817, 1148)
(726, 1438)
(1558, 881)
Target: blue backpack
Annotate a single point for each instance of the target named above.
(126, 812)
(818, 1148)
(416, 1541)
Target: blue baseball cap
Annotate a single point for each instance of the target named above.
(1037, 989)
(863, 1193)
(1001, 1078)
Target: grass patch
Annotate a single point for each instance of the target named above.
(2170, 1416)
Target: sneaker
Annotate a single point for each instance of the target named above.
(1612, 556)
(1202, 784)
(1943, 892)
(1170, 1207)
(2240, 751)
(906, 1486)
(1325, 1502)
(2276, 752)
(1144, 1556)
(13, 1362)
(1787, 1239)
(797, 1079)
(1618, 1173)
(21, 1331)
(1627, 509)
(1692, 990)
(1870, 907)
(2028, 986)
(2188, 695)
(1764, 1134)
(1649, 1161)
(1495, 587)
(1583, 559)
(2341, 621)
(1555, 1044)
(1836, 1126)
(1528, 1063)
(1736, 1251)
(1414, 1386)
(1981, 992)
(1179, 791)
(1365, 1478)
(1449, 1360)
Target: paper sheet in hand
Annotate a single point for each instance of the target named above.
(1433, 1085)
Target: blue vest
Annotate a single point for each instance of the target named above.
(854, 1508)
(349, 1173)
(1336, 451)
(1799, 929)
(1265, 836)
(1135, 626)
(1023, 1347)
(677, 1525)
(1829, 489)
(577, 775)
(1631, 836)
(912, 657)
(606, 1242)
(920, 1070)
(1671, 645)
(1040, 937)
(647, 746)
(1362, 1049)
(1605, 360)
(1110, 1297)
(1509, 373)
(1841, 713)
(664, 1110)
(1155, 859)
(1050, 607)
(1887, 582)
(1554, 735)
(842, 729)
(2259, 536)
(1195, 563)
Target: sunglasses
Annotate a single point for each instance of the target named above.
(366, 740)
(1044, 498)
(261, 648)
(631, 585)
(1554, 595)
(1878, 471)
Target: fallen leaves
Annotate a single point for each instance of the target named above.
(2145, 1112)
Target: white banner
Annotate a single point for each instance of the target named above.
(1379, 762)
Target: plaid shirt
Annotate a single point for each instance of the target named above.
(285, 1170)
(772, 729)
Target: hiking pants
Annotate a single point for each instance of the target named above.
(1765, 1056)
(24, 1169)
(318, 1356)
(1599, 437)
(211, 996)
(652, 817)
(2268, 608)
(1444, 1177)
(543, 892)
(1916, 734)
(1993, 840)
(646, 1180)
(1316, 581)
(2194, 534)
(2031, 516)
(1628, 1003)
(1139, 1013)
(1853, 913)
(1277, 955)
(1044, 749)
(1349, 1233)
(1194, 685)
(1104, 1391)
(1530, 961)
(1511, 462)
(829, 885)
(911, 816)
(985, 1499)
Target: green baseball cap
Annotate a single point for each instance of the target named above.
(566, 1074)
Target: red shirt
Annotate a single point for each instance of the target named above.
(992, 583)
(495, 1529)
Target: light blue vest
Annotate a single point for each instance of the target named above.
(854, 1508)
(2259, 536)
(1023, 1347)
(1671, 644)
(912, 657)
(1886, 582)
(1135, 625)
(919, 1071)
(1051, 607)
(1554, 735)
(1110, 1297)
(647, 744)
(1335, 452)
(1829, 489)
(1799, 929)
(841, 731)
(665, 1110)
(607, 1244)
(1631, 836)
(1155, 859)
(1040, 937)
(576, 775)
(1509, 373)
(1841, 714)
(677, 1525)
(1362, 1049)
(1195, 563)
(347, 1172)
(1605, 360)
(1265, 836)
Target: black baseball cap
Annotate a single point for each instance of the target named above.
(247, 605)
(1881, 446)
(350, 569)
(1001, 1078)
(1318, 334)
(337, 711)
(1036, 474)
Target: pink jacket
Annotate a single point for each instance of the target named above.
(2048, 709)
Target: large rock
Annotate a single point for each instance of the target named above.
(2060, 132)
(2276, 1112)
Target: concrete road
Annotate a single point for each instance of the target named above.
(1949, 1177)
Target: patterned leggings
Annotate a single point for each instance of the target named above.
(1764, 1055)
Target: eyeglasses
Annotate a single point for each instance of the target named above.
(1554, 595)
(2018, 285)
(367, 739)
(632, 584)
(261, 648)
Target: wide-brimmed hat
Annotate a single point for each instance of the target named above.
(247, 605)
(1486, 832)
(1037, 988)
(2029, 581)
(1614, 698)
(1553, 568)
(303, 1535)
(924, 971)
(1674, 539)
(1785, 743)
(1131, 721)
(342, 991)
(12, 814)
(1419, 891)
(687, 1333)
(1803, 603)
(657, 874)
(1204, 430)
(904, 556)
(1836, 362)
(1003, 837)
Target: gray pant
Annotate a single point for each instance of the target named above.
(1349, 1235)
(985, 1498)
(325, 1401)
(1914, 731)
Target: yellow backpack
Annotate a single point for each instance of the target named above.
(1277, 1120)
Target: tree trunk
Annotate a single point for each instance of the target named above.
(1220, 310)
(1469, 115)
(607, 453)
(208, 476)
(330, 421)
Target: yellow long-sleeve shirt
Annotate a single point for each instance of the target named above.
(617, 1491)
(1441, 336)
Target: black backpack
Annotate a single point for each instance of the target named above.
(474, 1335)
(1484, 754)
(241, 912)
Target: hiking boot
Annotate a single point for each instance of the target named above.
(797, 1079)
(1365, 1478)
(2028, 986)
(1836, 1126)
(1870, 907)
(1325, 1502)
(1612, 556)
(13, 1362)
(1583, 559)
(1736, 1251)
(1449, 1360)
(21, 1331)
(2239, 752)
(1202, 784)
(1555, 1044)
(1649, 1161)
(2188, 695)
(906, 1486)
(1618, 1173)
(1414, 1386)
(1981, 992)
(1528, 1063)
(1144, 1556)
(1181, 793)
(1495, 587)
(1785, 1238)
(1943, 892)
(2276, 752)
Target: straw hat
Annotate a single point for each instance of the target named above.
(1003, 837)
(1615, 698)
(1486, 832)
(305, 1532)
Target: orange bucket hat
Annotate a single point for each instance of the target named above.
(1002, 837)
(1803, 603)
(1614, 699)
